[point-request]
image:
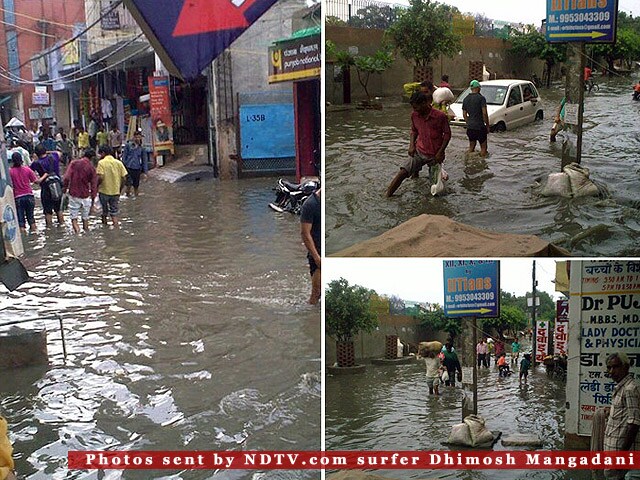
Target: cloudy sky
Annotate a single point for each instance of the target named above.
(420, 279)
(524, 12)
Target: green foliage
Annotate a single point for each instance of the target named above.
(511, 319)
(372, 64)
(348, 310)
(366, 65)
(435, 319)
(423, 32)
(374, 16)
(533, 44)
(626, 48)
(334, 21)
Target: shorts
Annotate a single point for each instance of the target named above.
(48, 205)
(414, 164)
(109, 204)
(313, 266)
(79, 206)
(133, 177)
(477, 135)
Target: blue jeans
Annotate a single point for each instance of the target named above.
(25, 205)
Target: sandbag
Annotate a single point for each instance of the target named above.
(558, 184)
(581, 185)
(443, 94)
(478, 432)
(429, 347)
(460, 435)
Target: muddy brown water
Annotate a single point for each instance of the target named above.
(389, 408)
(365, 148)
(187, 329)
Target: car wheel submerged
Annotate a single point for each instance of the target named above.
(499, 127)
(539, 115)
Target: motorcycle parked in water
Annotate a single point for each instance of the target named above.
(290, 196)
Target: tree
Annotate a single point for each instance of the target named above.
(484, 26)
(348, 310)
(532, 44)
(334, 21)
(435, 319)
(511, 319)
(626, 48)
(374, 16)
(365, 64)
(423, 32)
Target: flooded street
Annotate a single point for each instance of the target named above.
(389, 408)
(187, 329)
(499, 193)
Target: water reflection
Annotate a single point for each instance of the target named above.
(389, 408)
(365, 149)
(187, 329)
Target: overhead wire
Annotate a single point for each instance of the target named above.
(111, 8)
(73, 74)
(92, 74)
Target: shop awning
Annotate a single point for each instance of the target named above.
(14, 122)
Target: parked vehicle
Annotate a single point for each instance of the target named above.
(506, 104)
(290, 196)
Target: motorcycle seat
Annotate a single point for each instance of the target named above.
(291, 186)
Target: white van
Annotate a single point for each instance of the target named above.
(506, 104)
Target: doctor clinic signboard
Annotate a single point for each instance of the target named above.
(604, 318)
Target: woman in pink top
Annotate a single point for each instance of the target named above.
(22, 177)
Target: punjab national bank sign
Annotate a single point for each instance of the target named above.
(604, 318)
(295, 59)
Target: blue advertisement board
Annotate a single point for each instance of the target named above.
(471, 288)
(589, 21)
(267, 131)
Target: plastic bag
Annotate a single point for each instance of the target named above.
(439, 185)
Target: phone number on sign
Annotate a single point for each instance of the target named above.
(468, 297)
(585, 17)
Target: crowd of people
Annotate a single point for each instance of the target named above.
(84, 176)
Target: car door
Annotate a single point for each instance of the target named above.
(530, 99)
(514, 110)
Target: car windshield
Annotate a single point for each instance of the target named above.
(494, 94)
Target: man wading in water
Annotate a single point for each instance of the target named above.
(430, 135)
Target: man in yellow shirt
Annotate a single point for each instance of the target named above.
(111, 178)
(83, 140)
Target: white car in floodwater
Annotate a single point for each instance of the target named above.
(506, 104)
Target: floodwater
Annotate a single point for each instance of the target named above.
(187, 329)
(389, 408)
(364, 150)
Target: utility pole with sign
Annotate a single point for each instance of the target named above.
(578, 23)
(471, 291)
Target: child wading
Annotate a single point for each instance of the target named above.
(525, 365)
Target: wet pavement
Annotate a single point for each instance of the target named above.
(500, 193)
(389, 408)
(187, 329)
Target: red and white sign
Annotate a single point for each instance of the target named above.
(542, 340)
(561, 334)
(161, 118)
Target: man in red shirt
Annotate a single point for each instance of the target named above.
(430, 135)
(81, 181)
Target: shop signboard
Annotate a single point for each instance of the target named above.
(161, 118)
(295, 59)
(110, 17)
(589, 21)
(40, 113)
(40, 98)
(561, 333)
(188, 36)
(604, 316)
(542, 340)
(472, 288)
